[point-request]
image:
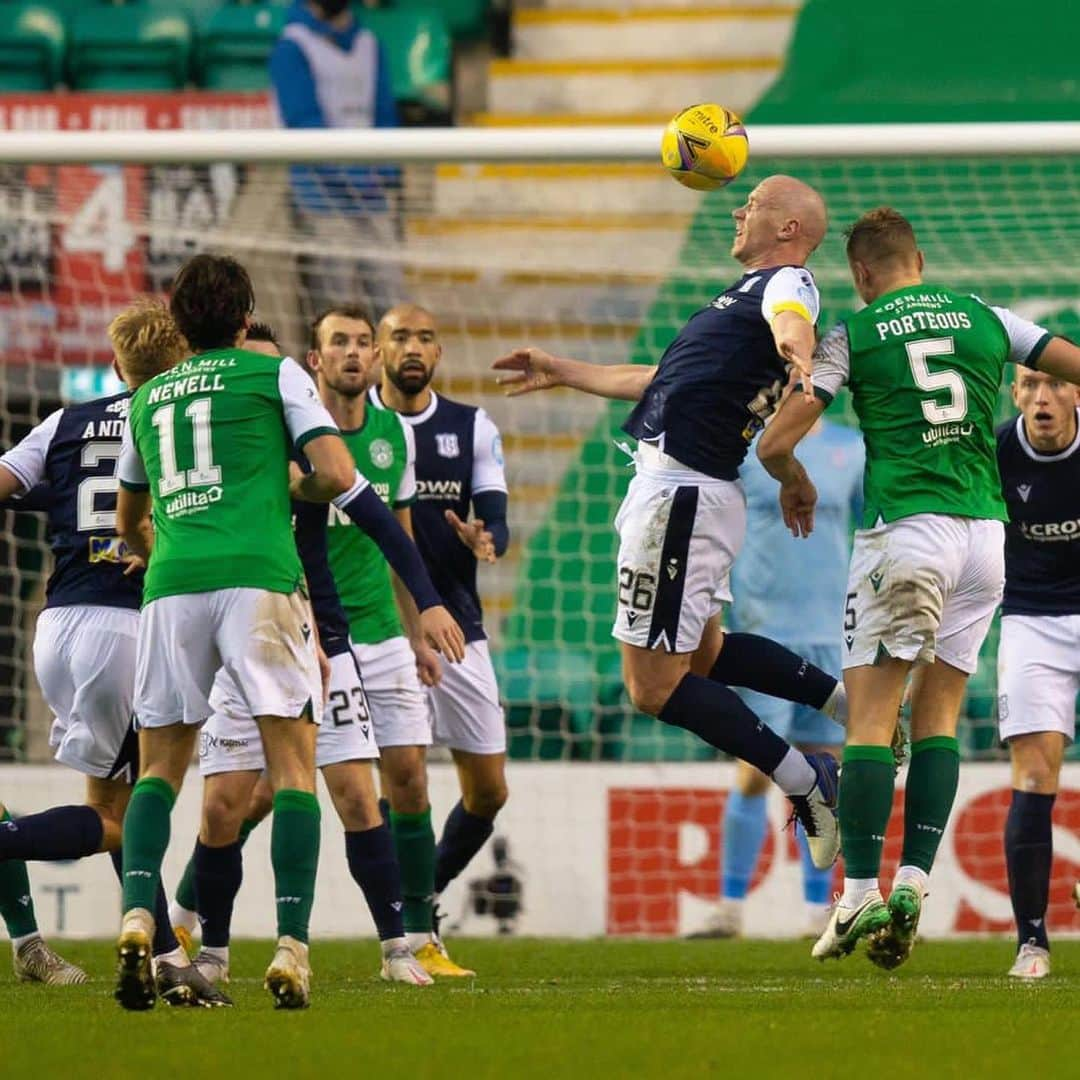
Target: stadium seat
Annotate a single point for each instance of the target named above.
(31, 47)
(418, 49)
(198, 12)
(234, 46)
(132, 47)
(464, 18)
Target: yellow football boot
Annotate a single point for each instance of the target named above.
(437, 963)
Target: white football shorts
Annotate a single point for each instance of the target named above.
(396, 697)
(264, 640)
(229, 741)
(1038, 674)
(923, 587)
(84, 658)
(465, 709)
(679, 532)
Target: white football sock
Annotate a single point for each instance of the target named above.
(795, 775)
(418, 939)
(393, 944)
(855, 890)
(177, 957)
(835, 706)
(216, 952)
(180, 916)
(18, 942)
(913, 875)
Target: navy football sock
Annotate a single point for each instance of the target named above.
(1029, 852)
(64, 832)
(464, 834)
(718, 715)
(218, 873)
(164, 938)
(374, 867)
(759, 663)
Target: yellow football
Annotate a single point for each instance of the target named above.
(704, 147)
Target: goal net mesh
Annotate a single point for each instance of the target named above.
(602, 262)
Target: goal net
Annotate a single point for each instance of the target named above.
(573, 240)
(509, 238)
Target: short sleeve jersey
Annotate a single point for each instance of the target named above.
(1042, 539)
(70, 459)
(458, 455)
(211, 440)
(721, 378)
(924, 365)
(384, 453)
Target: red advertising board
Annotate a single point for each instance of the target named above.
(79, 241)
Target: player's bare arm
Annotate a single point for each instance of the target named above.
(776, 449)
(534, 369)
(133, 524)
(333, 470)
(474, 536)
(1061, 358)
(10, 484)
(795, 341)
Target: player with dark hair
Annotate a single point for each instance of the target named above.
(684, 517)
(84, 644)
(235, 799)
(459, 469)
(206, 451)
(924, 364)
(1039, 654)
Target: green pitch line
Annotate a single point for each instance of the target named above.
(556, 1009)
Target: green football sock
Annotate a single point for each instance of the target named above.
(928, 798)
(414, 841)
(185, 891)
(16, 903)
(294, 853)
(146, 836)
(867, 780)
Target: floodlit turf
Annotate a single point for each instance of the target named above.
(598, 1009)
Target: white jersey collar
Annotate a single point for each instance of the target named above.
(408, 418)
(1034, 454)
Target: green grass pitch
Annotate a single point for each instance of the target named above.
(594, 1009)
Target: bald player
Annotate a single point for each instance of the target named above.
(683, 519)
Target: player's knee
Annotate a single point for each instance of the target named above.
(487, 801)
(649, 696)
(408, 793)
(1036, 776)
(223, 814)
(357, 810)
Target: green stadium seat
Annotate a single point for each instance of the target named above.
(198, 12)
(419, 51)
(464, 18)
(234, 46)
(131, 47)
(31, 47)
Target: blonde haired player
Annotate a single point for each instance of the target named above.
(84, 646)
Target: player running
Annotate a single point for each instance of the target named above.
(924, 364)
(343, 355)
(459, 464)
(206, 450)
(84, 645)
(683, 519)
(231, 758)
(1039, 652)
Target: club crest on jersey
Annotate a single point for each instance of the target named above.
(446, 445)
(382, 454)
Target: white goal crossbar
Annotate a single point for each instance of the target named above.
(527, 144)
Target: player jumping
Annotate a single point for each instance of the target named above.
(683, 519)
(924, 364)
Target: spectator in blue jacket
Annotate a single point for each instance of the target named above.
(328, 71)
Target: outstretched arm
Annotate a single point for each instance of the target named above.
(1060, 357)
(776, 449)
(533, 369)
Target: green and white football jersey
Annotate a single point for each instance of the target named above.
(924, 366)
(385, 455)
(211, 440)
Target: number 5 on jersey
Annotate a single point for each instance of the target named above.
(205, 472)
